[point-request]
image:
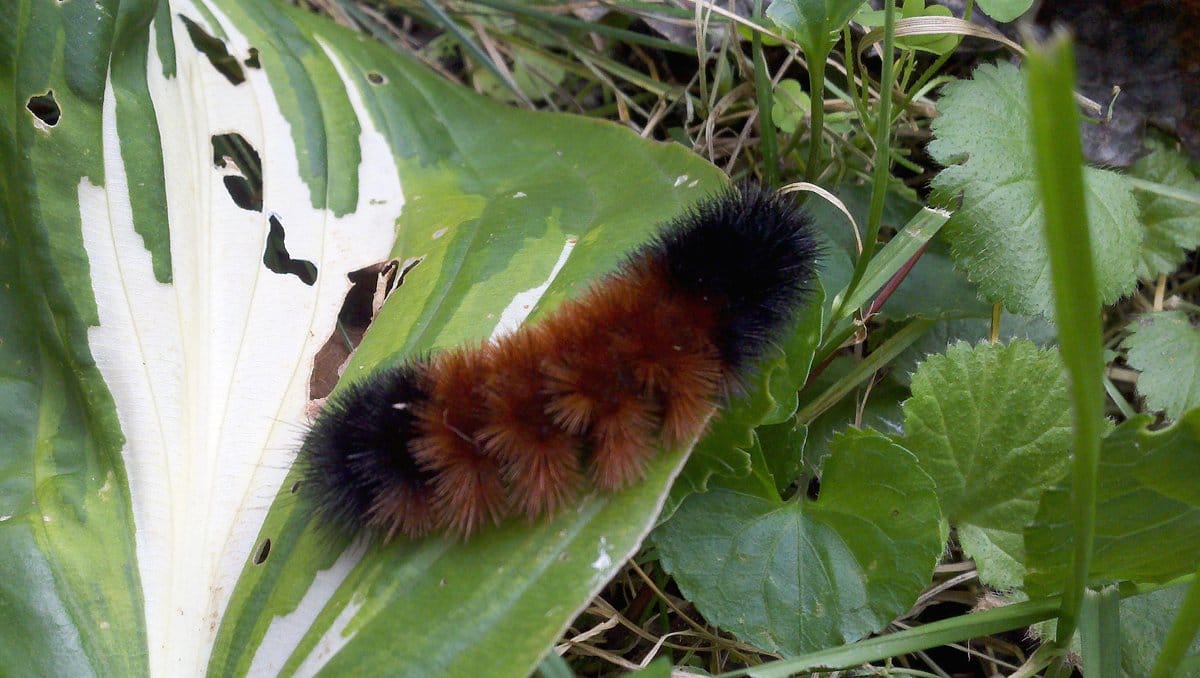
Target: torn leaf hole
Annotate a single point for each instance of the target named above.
(214, 48)
(813, 491)
(277, 259)
(376, 78)
(295, 487)
(235, 155)
(252, 60)
(45, 108)
(263, 552)
(369, 287)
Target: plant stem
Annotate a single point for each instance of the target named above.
(762, 90)
(883, 152)
(816, 124)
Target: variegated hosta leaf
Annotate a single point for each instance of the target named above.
(186, 187)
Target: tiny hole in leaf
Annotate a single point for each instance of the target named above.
(252, 60)
(263, 552)
(277, 259)
(295, 487)
(376, 78)
(813, 492)
(214, 48)
(45, 107)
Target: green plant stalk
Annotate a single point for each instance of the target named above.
(762, 90)
(1183, 631)
(1163, 190)
(883, 153)
(816, 116)
(856, 97)
(1119, 400)
(1059, 160)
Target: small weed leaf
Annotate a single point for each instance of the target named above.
(797, 576)
(1172, 225)
(1005, 10)
(1165, 347)
(996, 236)
(992, 425)
(1147, 510)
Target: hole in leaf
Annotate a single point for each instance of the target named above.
(214, 48)
(295, 487)
(813, 491)
(277, 259)
(376, 78)
(244, 182)
(45, 108)
(263, 552)
(252, 60)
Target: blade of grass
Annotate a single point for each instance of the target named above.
(974, 625)
(916, 233)
(863, 370)
(1183, 632)
(935, 634)
(1100, 633)
(1059, 160)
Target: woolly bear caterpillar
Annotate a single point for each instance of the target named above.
(471, 435)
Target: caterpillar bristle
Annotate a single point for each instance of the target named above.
(464, 439)
(468, 492)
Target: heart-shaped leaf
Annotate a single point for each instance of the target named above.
(800, 575)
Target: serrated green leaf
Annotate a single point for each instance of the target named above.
(801, 575)
(1172, 225)
(972, 330)
(1165, 348)
(996, 236)
(992, 425)
(1147, 510)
